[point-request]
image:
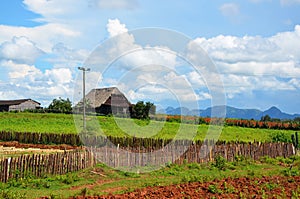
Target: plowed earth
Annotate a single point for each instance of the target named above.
(265, 187)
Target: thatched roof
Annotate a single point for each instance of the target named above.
(16, 102)
(97, 97)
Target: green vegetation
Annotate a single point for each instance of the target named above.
(37, 122)
(60, 106)
(104, 180)
(142, 110)
(122, 127)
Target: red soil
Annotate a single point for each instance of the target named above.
(265, 187)
(40, 146)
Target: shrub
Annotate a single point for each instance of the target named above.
(220, 163)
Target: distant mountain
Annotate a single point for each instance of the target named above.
(274, 112)
(231, 112)
(175, 111)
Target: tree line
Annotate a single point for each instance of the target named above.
(140, 110)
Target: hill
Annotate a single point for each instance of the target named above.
(231, 112)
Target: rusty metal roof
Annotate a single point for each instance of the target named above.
(16, 102)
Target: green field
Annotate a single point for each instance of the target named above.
(120, 127)
(104, 180)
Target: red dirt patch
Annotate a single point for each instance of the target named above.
(40, 146)
(268, 187)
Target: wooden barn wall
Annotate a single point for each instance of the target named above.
(23, 106)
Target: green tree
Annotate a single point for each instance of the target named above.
(265, 118)
(142, 110)
(60, 106)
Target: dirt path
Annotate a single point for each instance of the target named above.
(16, 144)
(265, 187)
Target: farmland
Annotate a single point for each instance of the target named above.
(64, 124)
(263, 176)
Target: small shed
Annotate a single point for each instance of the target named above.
(108, 101)
(19, 105)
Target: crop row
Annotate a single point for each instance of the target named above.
(283, 125)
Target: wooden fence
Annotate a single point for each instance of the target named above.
(207, 152)
(41, 164)
(129, 157)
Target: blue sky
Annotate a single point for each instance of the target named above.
(255, 45)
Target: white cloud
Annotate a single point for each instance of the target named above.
(134, 96)
(254, 63)
(29, 81)
(146, 58)
(230, 9)
(124, 54)
(252, 68)
(59, 75)
(114, 27)
(203, 96)
(277, 55)
(65, 55)
(288, 43)
(42, 36)
(247, 63)
(19, 71)
(21, 50)
(9, 95)
(56, 10)
(196, 80)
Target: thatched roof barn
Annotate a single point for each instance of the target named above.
(108, 101)
(19, 105)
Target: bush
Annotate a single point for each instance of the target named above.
(220, 163)
(281, 137)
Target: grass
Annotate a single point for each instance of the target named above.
(121, 127)
(35, 122)
(103, 180)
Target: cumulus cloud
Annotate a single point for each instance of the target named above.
(42, 36)
(29, 81)
(21, 50)
(59, 75)
(54, 10)
(125, 54)
(254, 63)
(18, 71)
(114, 27)
(275, 55)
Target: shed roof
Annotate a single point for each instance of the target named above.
(99, 96)
(16, 102)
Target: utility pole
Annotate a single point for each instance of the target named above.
(83, 94)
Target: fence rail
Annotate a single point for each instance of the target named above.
(132, 156)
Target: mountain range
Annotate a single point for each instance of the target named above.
(231, 112)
